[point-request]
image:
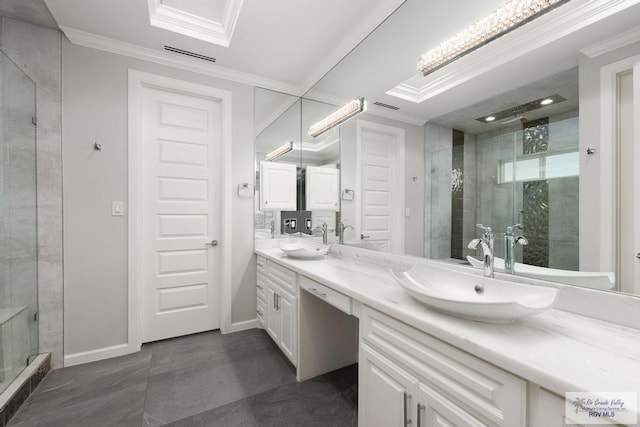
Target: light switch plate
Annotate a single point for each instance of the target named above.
(117, 208)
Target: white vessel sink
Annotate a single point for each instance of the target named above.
(474, 297)
(304, 248)
(589, 279)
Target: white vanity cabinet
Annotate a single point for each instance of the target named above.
(281, 312)
(278, 186)
(261, 289)
(408, 377)
(322, 190)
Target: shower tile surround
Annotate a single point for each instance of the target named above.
(37, 51)
(494, 204)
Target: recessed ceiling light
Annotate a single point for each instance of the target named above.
(489, 119)
(546, 101)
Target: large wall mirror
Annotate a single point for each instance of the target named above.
(297, 176)
(513, 136)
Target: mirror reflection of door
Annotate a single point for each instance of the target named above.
(628, 180)
(381, 185)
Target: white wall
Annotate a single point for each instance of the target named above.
(95, 243)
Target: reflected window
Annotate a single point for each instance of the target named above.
(543, 166)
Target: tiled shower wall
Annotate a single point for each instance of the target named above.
(38, 52)
(497, 205)
(446, 237)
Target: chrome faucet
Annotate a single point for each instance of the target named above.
(322, 228)
(510, 240)
(341, 228)
(272, 228)
(486, 243)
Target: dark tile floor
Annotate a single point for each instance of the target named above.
(206, 379)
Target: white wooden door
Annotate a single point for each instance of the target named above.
(181, 139)
(628, 277)
(636, 169)
(386, 392)
(381, 186)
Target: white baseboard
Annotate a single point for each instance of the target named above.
(99, 354)
(241, 326)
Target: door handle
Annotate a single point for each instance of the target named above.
(638, 255)
(407, 397)
(362, 237)
(212, 243)
(421, 408)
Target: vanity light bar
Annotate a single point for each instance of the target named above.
(279, 152)
(344, 113)
(502, 20)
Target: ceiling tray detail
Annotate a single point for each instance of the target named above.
(212, 21)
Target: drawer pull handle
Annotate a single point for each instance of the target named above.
(259, 312)
(317, 292)
(259, 287)
(407, 396)
(421, 408)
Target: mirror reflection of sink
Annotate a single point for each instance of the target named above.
(474, 297)
(595, 280)
(304, 248)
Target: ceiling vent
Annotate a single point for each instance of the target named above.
(382, 104)
(191, 54)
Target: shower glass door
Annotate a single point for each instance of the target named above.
(18, 229)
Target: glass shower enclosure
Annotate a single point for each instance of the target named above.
(18, 222)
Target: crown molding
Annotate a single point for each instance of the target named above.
(546, 29)
(93, 41)
(613, 43)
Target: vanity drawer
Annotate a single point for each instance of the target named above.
(261, 287)
(261, 310)
(282, 276)
(486, 390)
(334, 298)
(261, 264)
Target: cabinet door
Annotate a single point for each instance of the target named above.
(434, 410)
(278, 186)
(272, 316)
(386, 392)
(322, 188)
(546, 409)
(288, 327)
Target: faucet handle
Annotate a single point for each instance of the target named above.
(482, 227)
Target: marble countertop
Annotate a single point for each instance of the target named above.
(557, 350)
